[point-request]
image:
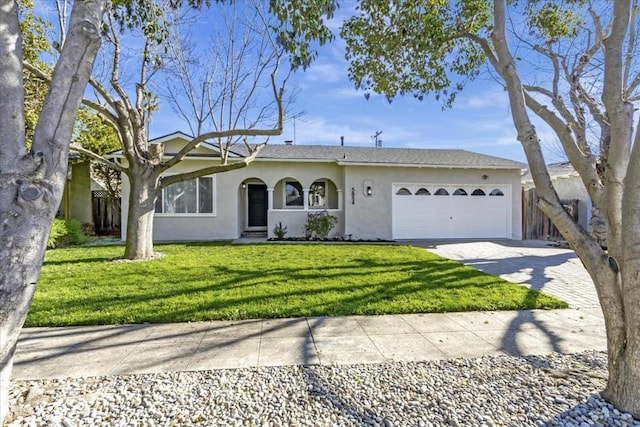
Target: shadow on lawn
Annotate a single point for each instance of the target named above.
(138, 350)
(371, 288)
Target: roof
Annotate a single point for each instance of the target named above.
(365, 156)
(556, 170)
(385, 156)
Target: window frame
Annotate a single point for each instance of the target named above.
(325, 183)
(400, 192)
(213, 213)
(300, 189)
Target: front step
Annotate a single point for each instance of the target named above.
(254, 234)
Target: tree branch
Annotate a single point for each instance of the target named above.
(97, 157)
(12, 120)
(620, 115)
(68, 83)
(582, 162)
(172, 179)
(194, 143)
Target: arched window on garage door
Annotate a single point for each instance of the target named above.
(496, 192)
(460, 192)
(403, 192)
(423, 192)
(441, 192)
(478, 192)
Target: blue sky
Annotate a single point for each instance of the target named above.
(331, 107)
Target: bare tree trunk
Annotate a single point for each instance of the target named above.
(624, 371)
(31, 184)
(142, 199)
(616, 274)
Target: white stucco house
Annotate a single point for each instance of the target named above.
(375, 193)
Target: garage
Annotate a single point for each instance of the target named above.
(428, 211)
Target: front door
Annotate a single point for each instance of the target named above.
(257, 202)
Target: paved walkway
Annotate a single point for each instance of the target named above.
(113, 350)
(533, 263)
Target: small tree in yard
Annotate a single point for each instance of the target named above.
(585, 89)
(130, 115)
(32, 180)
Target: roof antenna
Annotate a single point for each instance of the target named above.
(378, 141)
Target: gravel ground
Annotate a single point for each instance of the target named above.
(554, 390)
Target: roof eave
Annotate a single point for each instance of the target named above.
(427, 165)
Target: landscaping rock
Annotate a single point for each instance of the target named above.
(492, 391)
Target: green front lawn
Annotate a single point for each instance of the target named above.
(205, 281)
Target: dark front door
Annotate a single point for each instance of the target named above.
(257, 205)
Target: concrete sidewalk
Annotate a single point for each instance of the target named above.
(131, 349)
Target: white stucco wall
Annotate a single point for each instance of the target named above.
(371, 216)
(229, 220)
(360, 216)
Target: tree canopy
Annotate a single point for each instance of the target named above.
(573, 64)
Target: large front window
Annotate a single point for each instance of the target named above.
(194, 196)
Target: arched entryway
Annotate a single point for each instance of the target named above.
(257, 204)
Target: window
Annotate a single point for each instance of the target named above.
(318, 194)
(194, 196)
(403, 192)
(460, 192)
(496, 192)
(293, 193)
(441, 192)
(423, 192)
(478, 192)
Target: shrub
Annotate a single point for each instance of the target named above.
(280, 231)
(319, 224)
(75, 234)
(58, 229)
(66, 232)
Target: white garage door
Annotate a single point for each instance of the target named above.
(427, 211)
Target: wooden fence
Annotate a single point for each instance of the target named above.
(535, 224)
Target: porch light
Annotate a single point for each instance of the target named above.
(244, 185)
(367, 188)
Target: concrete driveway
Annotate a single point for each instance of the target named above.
(532, 263)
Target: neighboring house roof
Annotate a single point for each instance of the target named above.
(556, 170)
(384, 156)
(170, 137)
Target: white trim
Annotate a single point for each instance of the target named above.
(246, 206)
(169, 137)
(301, 210)
(420, 165)
(340, 162)
(184, 215)
(184, 137)
(284, 196)
(325, 182)
(214, 199)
